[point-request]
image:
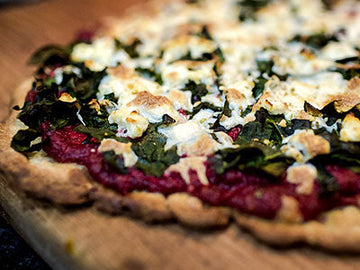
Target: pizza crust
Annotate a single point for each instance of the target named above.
(339, 231)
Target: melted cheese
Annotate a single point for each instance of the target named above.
(190, 163)
(97, 55)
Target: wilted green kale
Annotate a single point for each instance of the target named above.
(249, 8)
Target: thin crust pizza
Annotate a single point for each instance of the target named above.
(203, 112)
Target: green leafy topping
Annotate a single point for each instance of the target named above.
(348, 67)
(22, 141)
(203, 106)
(47, 108)
(249, 8)
(95, 118)
(340, 147)
(49, 55)
(197, 90)
(295, 124)
(220, 54)
(131, 49)
(205, 33)
(316, 40)
(115, 162)
(251, 156)
(256, 130)
(329, 112)
(111, 97)
(225, 111)
(265, 67)
(328, 4)
(328, 184)
(348, 73)
(216, 54)
(345, 154)
(150, 149)
(349, 60)
(265, 128)
(247, 111)
(98, 133)
(86, 86)
(150, 74)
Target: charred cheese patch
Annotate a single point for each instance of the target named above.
(145, 108)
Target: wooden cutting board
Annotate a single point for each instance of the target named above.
(82, 238)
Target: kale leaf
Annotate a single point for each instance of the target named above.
(329, 112)
(21, 142)
(197, 90)
(348, 67)
(293, 125)
(264, 128)
(264, 67)
(100, 133)
(86, 85)
(202, 106)
(115, 162)
(251, 156)
(249, 8)
(48, 108)
(216, 54)
(344, 154)
(328, 184)
(50, 55)
(111, 97)
(150, 149)
(131, 49)
(150, 73)
(316, 40)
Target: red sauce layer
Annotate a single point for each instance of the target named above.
(250, 193)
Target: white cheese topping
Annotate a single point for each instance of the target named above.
(190, 163)
(206, 44)
(350, 130)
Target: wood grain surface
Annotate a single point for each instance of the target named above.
(82, 238)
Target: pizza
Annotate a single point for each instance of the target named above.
(204, 112)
